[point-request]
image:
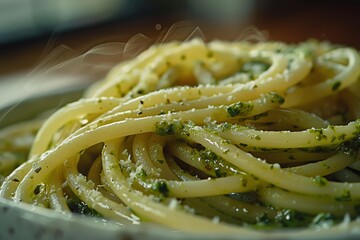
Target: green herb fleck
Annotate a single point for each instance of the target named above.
(321, 181)
(319, 133)
(276, 98)
(219, 173)
(344, 197)
(257, 137)
(336, 85)
(80, 207)
(350, 147)
(165, 128)
(141, 174)
(239, 109)
(161, 187)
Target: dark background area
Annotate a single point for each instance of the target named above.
(28, 32)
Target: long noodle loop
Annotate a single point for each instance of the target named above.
(219, 136)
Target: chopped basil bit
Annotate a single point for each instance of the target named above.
(284, 218)
(77, 206)
(257, 137)
(350, 147)
(276, 98)
(215, 166)
(336, 85)
(320, 180)
(161, 187)
(344, 197)
(141, 174)
(319, 134)
(219, 173)
(165, 128)
(239, 109)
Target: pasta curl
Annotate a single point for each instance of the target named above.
(222, 137)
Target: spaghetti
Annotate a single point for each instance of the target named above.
(223, 136)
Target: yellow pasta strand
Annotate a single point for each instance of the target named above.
(226, 138)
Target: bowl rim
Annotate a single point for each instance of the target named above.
(110, 229)
(9, 113)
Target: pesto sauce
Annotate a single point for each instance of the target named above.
(319, 133)
(350, 147)
(79, 207)
(321, 181)
(276, 98)
(215, 165)
(336, 85)
(239, 109)
(344, 197)
(288, 218)
(254, 68)
(165, 128)
(160, 186)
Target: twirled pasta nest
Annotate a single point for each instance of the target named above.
(222, 136)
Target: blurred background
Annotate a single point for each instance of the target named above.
(37, 35)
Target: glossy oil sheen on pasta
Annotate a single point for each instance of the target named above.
(225, 137)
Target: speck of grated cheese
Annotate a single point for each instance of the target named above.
(216, 219)
(173, 204)
(230, 98)
(276, 165)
